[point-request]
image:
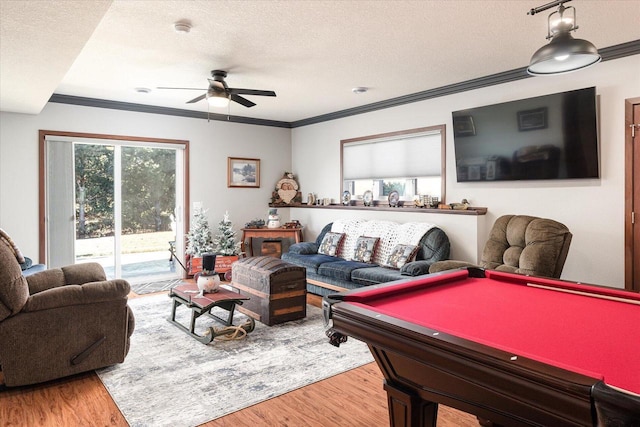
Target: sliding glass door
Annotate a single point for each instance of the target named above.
(125, 200)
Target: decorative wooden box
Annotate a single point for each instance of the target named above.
(278, 290)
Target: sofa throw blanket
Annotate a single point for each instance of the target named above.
(4, 237)
(390, 234)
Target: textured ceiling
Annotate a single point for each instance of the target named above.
(311, 53)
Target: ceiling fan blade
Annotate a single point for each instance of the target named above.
(241, 100)
(251, 92)
(199, 98)
(181, 88)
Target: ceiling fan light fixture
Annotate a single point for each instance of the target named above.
(563, 54)
(217, 99)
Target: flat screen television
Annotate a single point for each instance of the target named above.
(547, 137)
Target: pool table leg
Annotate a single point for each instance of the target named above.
(408, 410)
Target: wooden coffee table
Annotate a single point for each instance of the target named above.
(188, 294)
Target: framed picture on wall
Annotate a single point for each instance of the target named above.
(532, 119)
(463, 126)
(242, 172)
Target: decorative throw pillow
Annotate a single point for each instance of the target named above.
(401, 254)
(365, 248)
(330, 243)
(4, 237)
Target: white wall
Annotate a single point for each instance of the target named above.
(210, 145)
(592, 209)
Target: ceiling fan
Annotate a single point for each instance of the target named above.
(219, 94)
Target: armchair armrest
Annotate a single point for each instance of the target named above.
(77, 274)
(65, 296)
(304, 248)
(449, 265)
(70, 275)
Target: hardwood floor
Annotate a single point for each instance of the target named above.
(351, 399)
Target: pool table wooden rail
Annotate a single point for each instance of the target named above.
(423, 367)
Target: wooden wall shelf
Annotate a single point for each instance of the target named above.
(469, 211)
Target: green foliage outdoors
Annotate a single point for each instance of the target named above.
(148, 190)
(389, 186)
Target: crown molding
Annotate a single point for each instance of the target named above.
(607, 53)
(142, 108)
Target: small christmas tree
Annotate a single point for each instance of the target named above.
(199, 236)
(225, 241)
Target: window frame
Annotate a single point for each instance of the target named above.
(384, 137)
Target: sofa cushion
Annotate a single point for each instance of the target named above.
(416, 268)
(310, 262)
(375, 275)
(433, 247)
(341, 269)
(304, 248)
(330, 243)
(400, 255)
(365, 249)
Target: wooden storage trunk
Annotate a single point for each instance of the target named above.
(278, 289)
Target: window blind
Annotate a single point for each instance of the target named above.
(403, 156)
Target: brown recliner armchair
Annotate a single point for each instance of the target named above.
(521, 244)
(60, 322)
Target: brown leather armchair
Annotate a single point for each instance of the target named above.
(521, 244)
(60, 322)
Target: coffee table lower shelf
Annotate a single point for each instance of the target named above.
(188, 295)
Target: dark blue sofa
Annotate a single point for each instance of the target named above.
(328, 274)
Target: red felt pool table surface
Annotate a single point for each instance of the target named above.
(589, 335)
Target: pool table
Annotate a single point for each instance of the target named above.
(513, 350)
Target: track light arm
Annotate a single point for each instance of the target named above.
(546, 7)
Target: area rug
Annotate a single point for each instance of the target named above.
(154, 286)
(170, 379)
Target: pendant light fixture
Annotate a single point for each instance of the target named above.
(563, 54)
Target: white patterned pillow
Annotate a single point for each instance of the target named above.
(330, 243)
(401, 255)
(365, 249)
(4, 237)
(390, 234)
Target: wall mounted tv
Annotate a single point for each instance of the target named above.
(546, 137)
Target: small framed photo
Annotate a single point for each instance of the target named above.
(463, 126)
(532, 119)
(243, 172)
